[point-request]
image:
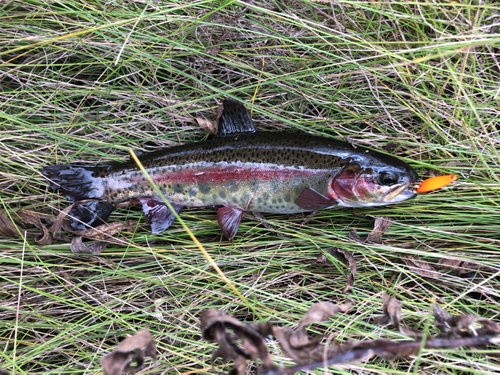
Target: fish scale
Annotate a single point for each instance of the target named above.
(231, 175)
(240, 170)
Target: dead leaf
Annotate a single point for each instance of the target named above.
(489, 326)
(77, 246)
(33, 218)
(392, 315)
(379, 228)
(297, 345)
(300, 348)
(322, 261)
(452, 326)
(220, 111)
(352, 266)
(58, 223)
(449, 263)
(464, 267)
(321, 311)
(212, 51)
(105, 231)
(24, 219)
(342, 255)
(132, 349)
(211, 126)
(213, 328)
(421, 268)
(7, 228)
(392, 311)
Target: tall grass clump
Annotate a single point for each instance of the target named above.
(83, 82)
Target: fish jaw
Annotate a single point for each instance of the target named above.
(399, 194)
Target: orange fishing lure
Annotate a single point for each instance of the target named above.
(435, 183)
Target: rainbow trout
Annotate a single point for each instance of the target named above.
(239, 170)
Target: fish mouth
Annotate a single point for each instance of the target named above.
(399, 193)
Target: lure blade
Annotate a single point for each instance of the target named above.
(435, 183)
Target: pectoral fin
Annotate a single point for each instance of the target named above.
(312, 200)
(159, 215)
(229, 219)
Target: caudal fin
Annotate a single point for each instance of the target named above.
(76, 182)
(80, 182)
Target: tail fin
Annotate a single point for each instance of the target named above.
(89, 214)
(80, 182)
(76, 182)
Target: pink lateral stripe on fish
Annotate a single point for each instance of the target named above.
(240, 170)
(228, 172)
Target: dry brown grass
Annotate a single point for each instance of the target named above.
(420, 81)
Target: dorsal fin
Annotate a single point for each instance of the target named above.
(235, 119)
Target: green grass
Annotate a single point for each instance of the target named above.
(85, 81)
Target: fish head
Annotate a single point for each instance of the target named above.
(377, 184)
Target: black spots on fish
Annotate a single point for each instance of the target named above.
(232, 185)
(265, 196)
(222, 194)
(280, 200)
(234, 200)
(274, 201)
(192, 192)
(204, 187)
(275, 185)
(214, 197)
(287, 198)
(254, 186)
(246, 195)
(178, 188)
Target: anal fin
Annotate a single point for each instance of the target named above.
(310, 199)
(159, 215)
(229, 219)
(234, 119)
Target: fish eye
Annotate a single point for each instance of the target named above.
(388, 178)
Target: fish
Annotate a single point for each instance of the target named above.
(237, 170)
